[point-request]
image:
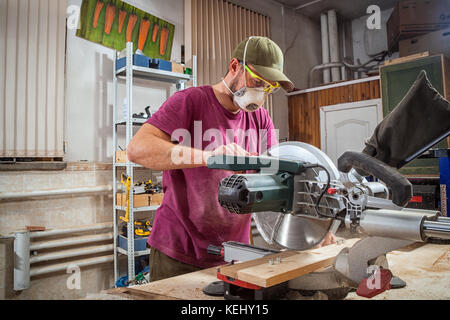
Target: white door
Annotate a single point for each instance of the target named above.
(345, 127)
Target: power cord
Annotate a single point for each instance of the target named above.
(325, 189)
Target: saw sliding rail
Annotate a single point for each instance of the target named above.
(437, 229)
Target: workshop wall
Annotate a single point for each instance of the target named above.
(54, 213)
(89, 86)
(368, 42)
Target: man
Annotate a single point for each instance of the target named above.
(200, 119)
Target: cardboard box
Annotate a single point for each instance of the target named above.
(121, 156)
(436, 42)
(412, 18)
(156, 199)
(140, 200)
(176, 67)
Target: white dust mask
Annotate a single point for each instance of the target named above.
(248, 99)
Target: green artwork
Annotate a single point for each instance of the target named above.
(113, 23)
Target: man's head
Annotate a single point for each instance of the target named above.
(256, 69)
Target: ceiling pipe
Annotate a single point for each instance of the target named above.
(334, 44)
(335, 65)
(325, 46)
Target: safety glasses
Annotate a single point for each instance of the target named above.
(269, 88)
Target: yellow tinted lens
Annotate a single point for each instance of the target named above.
(270, 88)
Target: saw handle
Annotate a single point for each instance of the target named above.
(400, 186)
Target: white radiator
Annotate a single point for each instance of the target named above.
(32, 63)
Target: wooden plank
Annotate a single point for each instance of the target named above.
(312, 117)
(186, 286)
(367, 95)
(350, 93)
(407, 58)
(290, 117)
(132, 294)
(293, 264)
(35, 228)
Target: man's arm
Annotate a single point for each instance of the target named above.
(153, 149)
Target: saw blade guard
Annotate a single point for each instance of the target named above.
(302, 228)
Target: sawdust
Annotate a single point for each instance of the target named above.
(442, 263)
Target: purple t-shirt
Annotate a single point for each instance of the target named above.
(190, 217)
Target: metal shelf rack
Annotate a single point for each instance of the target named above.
(129, 72)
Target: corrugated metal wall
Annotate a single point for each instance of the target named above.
(217, 27)
(32, 63)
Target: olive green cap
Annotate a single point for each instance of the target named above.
(267, 58)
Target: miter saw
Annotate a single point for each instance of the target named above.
(299, 195)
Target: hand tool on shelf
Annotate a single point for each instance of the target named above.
(142, 228)
(143, 115)
(126, 181)
(146, 187)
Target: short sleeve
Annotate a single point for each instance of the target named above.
(175, 113)
(269, 138)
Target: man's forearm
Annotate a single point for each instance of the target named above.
(164, 155)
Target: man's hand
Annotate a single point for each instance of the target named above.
(329, 239)
(231, 149)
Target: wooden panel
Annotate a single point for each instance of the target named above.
(304, 108)
(293, 264)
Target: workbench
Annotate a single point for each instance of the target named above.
(424, 267)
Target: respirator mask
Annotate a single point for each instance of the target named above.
(248, 99)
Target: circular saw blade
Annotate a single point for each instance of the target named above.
(297, 231)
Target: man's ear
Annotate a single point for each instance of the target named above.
(234, 66)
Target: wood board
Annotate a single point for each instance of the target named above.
(187, 286)
(293, 264)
